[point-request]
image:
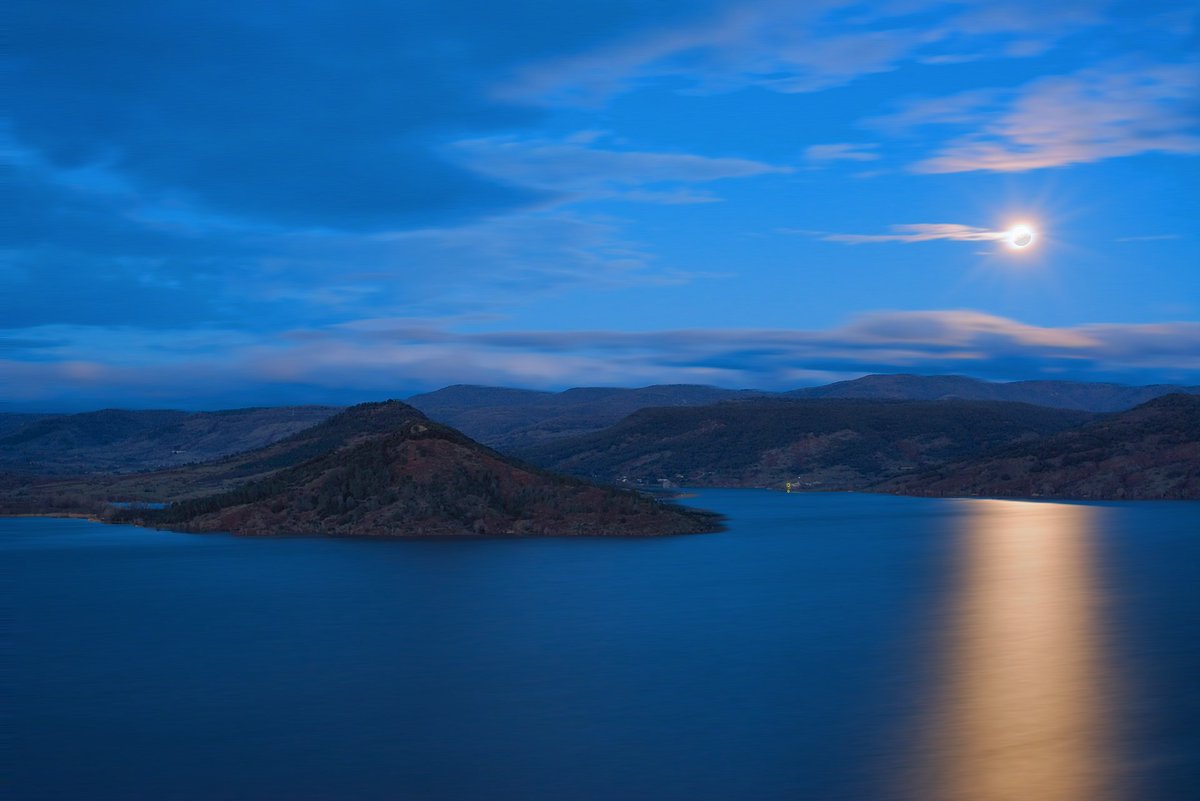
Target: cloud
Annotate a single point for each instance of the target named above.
(963, 108)
(1031, 20)
(519, 255)
(797, 47)
(576, 169)
(312, 115)
(841, 151)
(381, 357)
(227, 184)
(915, 232)
(335, 117)
(82, 256)
(766, 43)
(497, 263)
(1122, 108)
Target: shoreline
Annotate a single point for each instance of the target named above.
(716, 525)
(66, 515)
(687, 493)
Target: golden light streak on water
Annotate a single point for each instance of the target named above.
(1025, 714)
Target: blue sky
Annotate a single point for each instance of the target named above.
(219, 203)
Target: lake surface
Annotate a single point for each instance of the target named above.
(825, 647)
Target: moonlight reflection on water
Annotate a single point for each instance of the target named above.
(1026, 706)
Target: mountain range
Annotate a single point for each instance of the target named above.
(515, 420)
(878, 438)
(1082, 395)
(511, 420)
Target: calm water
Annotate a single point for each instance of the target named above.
(826, 647)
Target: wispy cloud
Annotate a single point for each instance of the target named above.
(76, 256)
(1122, 108)
(799, 47)
(578, 168)
(376, 357)
(1148, 238)
(961, 108)
(841, 151)
(910, 233)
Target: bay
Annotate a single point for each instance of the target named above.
(825, 646)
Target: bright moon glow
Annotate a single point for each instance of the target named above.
(1020, 237)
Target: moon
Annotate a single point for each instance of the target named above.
(1021, 237)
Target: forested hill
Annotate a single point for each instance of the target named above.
(194, 480)
(384, 469)
(816, 444)
(1152, 451)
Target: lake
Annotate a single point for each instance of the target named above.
(825, 647)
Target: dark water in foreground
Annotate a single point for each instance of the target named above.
(826, 647)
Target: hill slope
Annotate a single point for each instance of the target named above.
(117, 440)
(24, 493)
(384, 469)
(11, 421)
(1152, 451)
(516, 420)
(825, 444)
(512, 419)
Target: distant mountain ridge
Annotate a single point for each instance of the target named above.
(1086, 396)
(1149, 452)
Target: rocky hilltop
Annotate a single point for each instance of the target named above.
(386, 470)
(1149, 452)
